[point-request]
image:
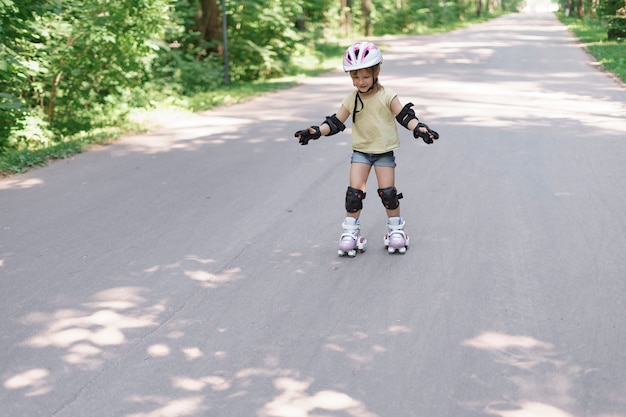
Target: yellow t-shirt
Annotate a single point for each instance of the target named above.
(374, 130)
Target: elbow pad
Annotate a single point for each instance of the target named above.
(335, 124)
(406, 115)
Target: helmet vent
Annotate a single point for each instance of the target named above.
(361, 55)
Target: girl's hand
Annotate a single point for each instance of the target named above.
(304, 136)
(427, 134)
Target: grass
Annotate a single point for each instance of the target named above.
(592, 33)
(21, 160)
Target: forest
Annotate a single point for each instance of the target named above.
(69, 68)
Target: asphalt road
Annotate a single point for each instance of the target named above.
(193, 271)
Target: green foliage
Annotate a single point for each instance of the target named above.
(610, 7)
(12, 117)
(616, 28)
(422, 16)
(184, 63)
(20, 160)
(73, 64)
(14, 72)
(261, 38)
(593, 34)
(594, 9)
(104, 50)
(177, 72)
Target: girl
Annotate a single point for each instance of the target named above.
(374, 110)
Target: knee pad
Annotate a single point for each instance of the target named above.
(354, 200)
(389, 197)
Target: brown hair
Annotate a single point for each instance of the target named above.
(375, 70)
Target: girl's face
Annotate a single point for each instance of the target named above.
(363, 79)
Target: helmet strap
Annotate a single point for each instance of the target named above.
(357, 98)
(373, 85)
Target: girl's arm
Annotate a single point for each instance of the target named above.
(396, 108)
(342, 115)
(407, 118)
(330, 126)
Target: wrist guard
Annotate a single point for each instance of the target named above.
(304, 136)
(426, 136)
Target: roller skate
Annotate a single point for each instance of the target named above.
(396, 239)
(351, 240)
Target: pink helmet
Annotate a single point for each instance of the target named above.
(361, 55)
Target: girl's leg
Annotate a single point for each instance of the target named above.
(386, 177)
(358, 178)
(351, 240)
(396, 240)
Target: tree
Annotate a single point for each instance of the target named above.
(346, 16)
(20, 67)
(209, 23)
(366, 16)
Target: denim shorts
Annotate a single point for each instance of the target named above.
(386, 159)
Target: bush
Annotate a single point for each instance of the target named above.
(262, 40)
(12, 116)
(186, 74)
(611, 7)
(616, 28)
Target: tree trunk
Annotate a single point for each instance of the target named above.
(53, 94)
(366, 9)
(581, 9)
(209, 23)
(346, 16)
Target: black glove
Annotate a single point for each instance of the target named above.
(305, 136)
(425, 135)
